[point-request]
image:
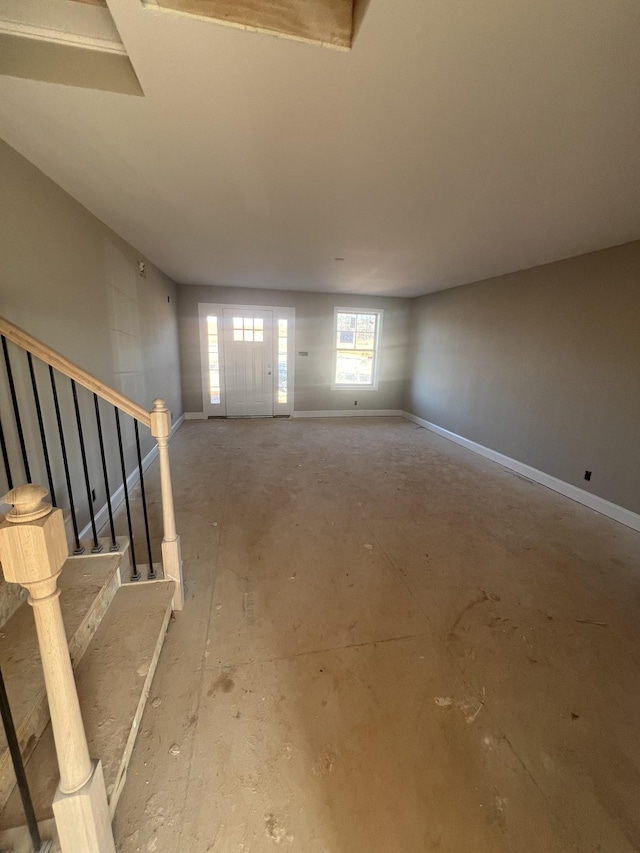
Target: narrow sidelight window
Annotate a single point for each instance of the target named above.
(214, 359)
(282, 361)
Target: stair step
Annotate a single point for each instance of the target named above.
(113, 681)
(12, 595)
(87, 586)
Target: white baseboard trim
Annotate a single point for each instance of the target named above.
(617, 513)
(117, 498)
(352, 413)
(194, 416)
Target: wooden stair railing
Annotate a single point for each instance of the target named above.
(63, 365)
(21, 443)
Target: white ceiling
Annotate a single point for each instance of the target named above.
(457, 140)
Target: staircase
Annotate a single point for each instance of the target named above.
(114, 622)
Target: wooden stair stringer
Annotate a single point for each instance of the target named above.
(116, 775)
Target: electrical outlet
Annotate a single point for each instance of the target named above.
(355, 402)
(587, 475)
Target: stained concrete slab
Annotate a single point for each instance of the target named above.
(389, 644)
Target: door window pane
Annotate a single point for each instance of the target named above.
(248, 329)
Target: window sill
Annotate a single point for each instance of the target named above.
(341, 387)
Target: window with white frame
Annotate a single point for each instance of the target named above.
(283, 359)
(357, 343)
(213, 351)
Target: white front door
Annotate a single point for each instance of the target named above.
(248, 357)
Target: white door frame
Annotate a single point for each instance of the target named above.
(206, 309)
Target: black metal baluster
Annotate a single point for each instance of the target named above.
(16, 410)
(151, 575)
(5, 456)
(135, 574)
(79, 549)
(45, 449)
(83, 453)
(114, 544)
(18, 766)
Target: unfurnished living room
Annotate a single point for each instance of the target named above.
(319, 417)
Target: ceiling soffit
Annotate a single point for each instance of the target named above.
(325, 22)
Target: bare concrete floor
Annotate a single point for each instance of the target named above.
(390, 645)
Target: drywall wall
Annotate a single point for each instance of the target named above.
(61, 277)
(71, 282)
(542, 365)
(313, 334)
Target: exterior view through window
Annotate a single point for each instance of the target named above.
(356, 354)
(250, 329)
(214, 360)
(282, 361)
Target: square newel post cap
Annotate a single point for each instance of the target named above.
(160, 417)
(33, 542)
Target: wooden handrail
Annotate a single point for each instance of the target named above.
(45, 353)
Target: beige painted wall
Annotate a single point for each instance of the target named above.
(70, 281)
(541, 365)
(314, 334)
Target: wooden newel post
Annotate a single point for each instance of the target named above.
(171, 556)
(33, 549)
